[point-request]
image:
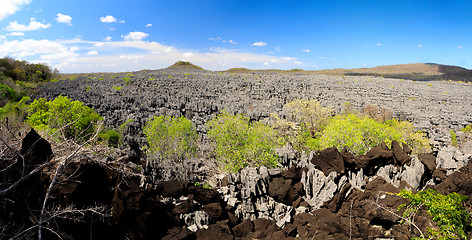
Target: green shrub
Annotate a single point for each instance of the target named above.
(16, 111)
(447, 212)
(171, 138)
(239, 143)
(10, 94)
(112, 137)
(361, 133)
(467, 129)
(454, 141)
(127, 80)
(309, 113)
(76, 121)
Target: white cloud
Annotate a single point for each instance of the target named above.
(62, 18)
(259, 44)
(92, 53)
(39, 50)
(17, 34)
(119, 56)
(33, 25)
(419, 45)
(222, 40)
(108, 19)
(229, 41)
(306, 50)
(379, 44)
(266, 64)
(9, 7)
(135, 36)
(148, 25)
(108, 38)
(321, 57)
(188, 54)
(460, 46)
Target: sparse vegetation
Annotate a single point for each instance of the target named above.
(171, 138)
(447, 212)
(239, 143)
(70, 118)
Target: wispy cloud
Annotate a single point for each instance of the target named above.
(135, 36)
(33, 25)
(460, 46)
(108, 38)
(306, 50)
(379, 44)
(149, 25)
(9, 7)
(62, 18)
(222, 40)
(419, 45)
(92, 53)
(259, 44)
(110, 19)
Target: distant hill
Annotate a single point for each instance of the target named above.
(414, 71)
(182, 64)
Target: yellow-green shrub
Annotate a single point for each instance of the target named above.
(308, 113)
(74, 120)
(171, 138)
(238, 143)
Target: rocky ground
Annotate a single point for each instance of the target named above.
(106, 194)
(433, 106)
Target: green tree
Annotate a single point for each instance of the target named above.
(171, 138)
(239, 143)
(76, 121)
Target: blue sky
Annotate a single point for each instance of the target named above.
(118, 35)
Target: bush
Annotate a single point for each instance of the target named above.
(239, 143)
(72, 118)
(171, 138)
(15, 111)
(361, 133)
(7, 93)
(309, 114)
(112, 137)
(447, 212)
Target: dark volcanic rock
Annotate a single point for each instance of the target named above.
(401, 157)
(377, 157)
(35, 150)
(329, 160)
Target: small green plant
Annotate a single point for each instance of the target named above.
(151, 79)
(239, 143)
(467, 129)
(127, 80)
(15, 110)
(429, 85)
(73, 119)
(117, 88)
(87, 89)
(170, 76)
(447, 212)
(100, 78)
(112, 137)
(171, 138)
(454, 141)
(129, 75)
(204, 186)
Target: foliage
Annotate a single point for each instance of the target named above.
(453, 138)
(309, 113)
(361, 133)
(7, 93)
(239, 143)
(112, 137)
(171, 138)
(127, 80)
(24, 71)
(75, 120)
(467, 129)
(117, 88)
(16, 111)
(447, 212)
